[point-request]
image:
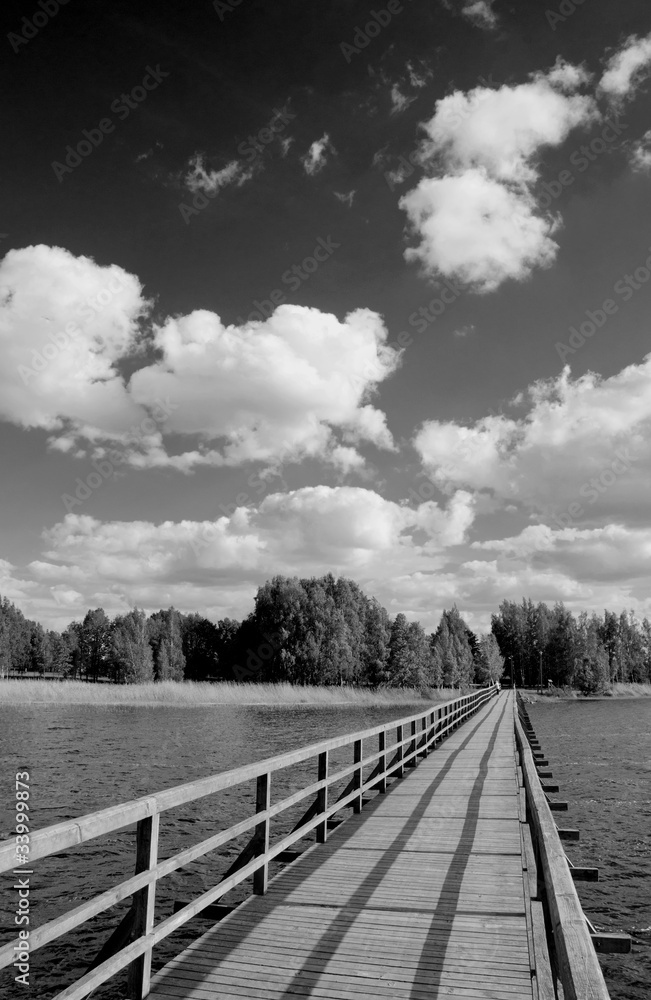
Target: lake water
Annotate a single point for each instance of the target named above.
(600, 755)
(83, 758)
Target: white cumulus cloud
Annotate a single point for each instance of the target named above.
(583, 442)
(298, 384)
(477, 230)
(476, 216)
(218, 564)
(627, 67)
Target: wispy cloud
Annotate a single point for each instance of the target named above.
(480, 13)
(315, 158)
(418, 78)
(199, 178)
(347, 199)
(640, 154)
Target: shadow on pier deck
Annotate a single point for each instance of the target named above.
(450, 882)
(419, 896)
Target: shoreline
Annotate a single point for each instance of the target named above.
(618, 691)
(196, 694)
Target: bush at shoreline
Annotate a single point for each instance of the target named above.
(616, 690)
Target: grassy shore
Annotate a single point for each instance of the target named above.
(191, 694)
(612, 691)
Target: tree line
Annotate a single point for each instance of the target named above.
(327, 631)
(584, 651)
(305, 631)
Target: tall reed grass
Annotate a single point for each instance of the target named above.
(628, 690)
(193, 694)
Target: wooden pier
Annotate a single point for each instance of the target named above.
(448, 879)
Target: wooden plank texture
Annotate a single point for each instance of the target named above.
(421, 895)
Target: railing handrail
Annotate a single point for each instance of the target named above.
(578, 965)
(435, 722)
(71, 833)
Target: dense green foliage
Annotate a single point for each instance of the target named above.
(327, 631)
(587, 652)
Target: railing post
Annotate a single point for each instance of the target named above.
(382, 745)
(322, 797)
(262, 803)
(357, 775)
(412, 746)
(400, 770)
(423, 727)
(144, 901)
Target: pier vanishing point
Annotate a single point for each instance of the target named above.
(446, 878)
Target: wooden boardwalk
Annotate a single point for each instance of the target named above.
(421, 895)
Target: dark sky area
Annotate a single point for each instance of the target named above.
(338, 477)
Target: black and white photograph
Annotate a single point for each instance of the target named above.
(325, 500)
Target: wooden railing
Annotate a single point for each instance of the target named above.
(569, 933)
(415, 737)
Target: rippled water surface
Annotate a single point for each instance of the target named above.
(600, 753)
(83, 758)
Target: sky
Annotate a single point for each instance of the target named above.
(305, 288)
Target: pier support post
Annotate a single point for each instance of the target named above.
(400, 770)
(412, 746)
(139, 974)
(382, 745)
(322, 797)
(262, 803)
(357, 775)
(423, 727)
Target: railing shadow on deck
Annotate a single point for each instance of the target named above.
(327, 943)
(135, 940)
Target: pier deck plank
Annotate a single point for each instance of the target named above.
(419, 896)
